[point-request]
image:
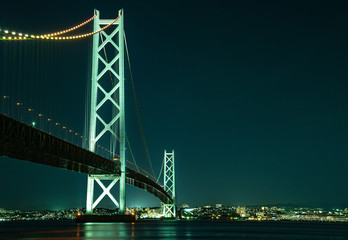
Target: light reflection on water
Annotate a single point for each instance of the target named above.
(171, 230)
(106, 230)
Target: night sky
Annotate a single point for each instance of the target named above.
(252, 95)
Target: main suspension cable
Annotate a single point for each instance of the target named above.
(53, 36)
(68, 30)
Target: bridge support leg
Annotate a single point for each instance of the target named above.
(122, 118)
(90, 191)
(169, 210)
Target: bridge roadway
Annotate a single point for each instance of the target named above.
(21, 141)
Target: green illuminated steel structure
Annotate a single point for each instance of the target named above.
(169, 209)
(102, 97)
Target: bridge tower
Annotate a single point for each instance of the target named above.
(169, 210)
(111, 68)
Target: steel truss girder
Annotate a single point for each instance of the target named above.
(21, 141)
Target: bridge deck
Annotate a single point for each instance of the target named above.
(21, 141)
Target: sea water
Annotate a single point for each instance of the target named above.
(174, 229)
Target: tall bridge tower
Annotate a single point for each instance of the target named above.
(105, 69)
(169, 210)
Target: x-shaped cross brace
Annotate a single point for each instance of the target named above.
(106, 191)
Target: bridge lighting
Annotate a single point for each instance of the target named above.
(6, 31)
(13, 33)
(20, 34)
(26, 35)
(33, 124)
(3, 37)
(9, 38)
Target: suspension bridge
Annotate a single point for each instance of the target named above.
(100, 152)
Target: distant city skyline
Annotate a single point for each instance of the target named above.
(216, 212)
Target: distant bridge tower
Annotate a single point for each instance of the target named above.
(107, 69)
(169, 210)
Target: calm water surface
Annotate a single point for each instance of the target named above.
(171, 230)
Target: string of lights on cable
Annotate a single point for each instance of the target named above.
(13, 35)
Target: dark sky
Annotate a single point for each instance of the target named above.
(252, 95)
